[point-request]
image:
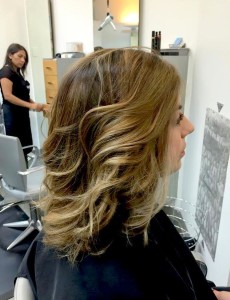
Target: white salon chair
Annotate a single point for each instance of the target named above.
(22, 184)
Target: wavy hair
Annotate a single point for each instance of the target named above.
(12, 49)
(106, 153)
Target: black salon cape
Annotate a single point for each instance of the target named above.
(16, 118)
(165, 269)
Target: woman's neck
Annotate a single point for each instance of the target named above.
(15, 68)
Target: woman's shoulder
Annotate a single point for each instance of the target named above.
(7, 72)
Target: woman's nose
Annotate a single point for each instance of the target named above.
(187, 126)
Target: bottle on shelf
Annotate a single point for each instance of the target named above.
(156, 40)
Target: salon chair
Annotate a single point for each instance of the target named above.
(22, 184)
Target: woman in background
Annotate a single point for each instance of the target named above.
(116, 133)
(16, 95)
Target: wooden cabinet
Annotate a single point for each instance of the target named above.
(54, 70)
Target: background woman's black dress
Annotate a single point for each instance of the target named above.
(16, 118)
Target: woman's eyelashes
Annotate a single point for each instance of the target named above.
(181, 116)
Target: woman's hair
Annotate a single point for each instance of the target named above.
(106, 153)
(12, 49)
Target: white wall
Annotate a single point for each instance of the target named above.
(40, 46)
(205, 27)
(177, 18)
(72, 22)
(12, 32)
(211, 85)
(13, 29)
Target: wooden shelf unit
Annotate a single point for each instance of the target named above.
(54, 70)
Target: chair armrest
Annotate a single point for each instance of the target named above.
(31, 170)
(35, 154)
(30, 146)
(23, 290)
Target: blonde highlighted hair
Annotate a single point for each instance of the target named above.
(106, 152)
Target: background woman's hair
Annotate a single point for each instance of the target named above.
(12, 49)
(106, 152)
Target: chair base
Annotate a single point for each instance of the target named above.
(32, 225)
(19, 224)
(10, 204)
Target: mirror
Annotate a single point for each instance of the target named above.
(115, 23)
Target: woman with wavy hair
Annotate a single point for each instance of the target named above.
(116, 133)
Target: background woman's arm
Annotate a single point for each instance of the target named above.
(222, 295)
(7, 87)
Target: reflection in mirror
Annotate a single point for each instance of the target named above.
(115, 23)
